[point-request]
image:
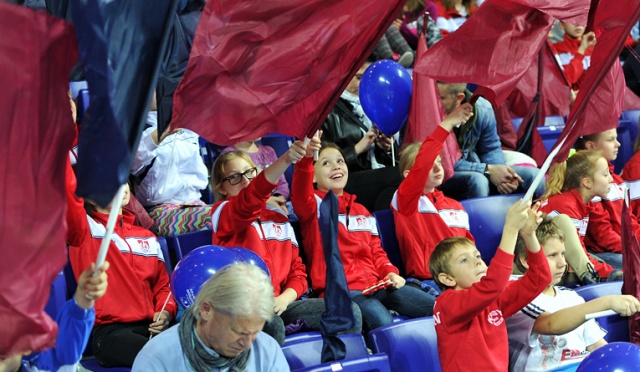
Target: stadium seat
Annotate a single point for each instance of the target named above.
(370, 363)
(82, 104)
(387, 234)
(165, 253)
(301, 336)
(307, 352)
(76, 86)
(92, 364)
(57, 296)
(626, 138)
(554, 121)
(550, 135)
(617, 327)
(185, 243)
(516, 123)
(411, 345)
(486, 220)
(633, 116)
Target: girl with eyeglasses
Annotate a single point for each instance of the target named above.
(242, 218)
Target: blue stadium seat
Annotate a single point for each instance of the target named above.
(626, 138)
(92, 364)
(370, 363)
(486, 221)
(387, 233)
(301, 336)
(617, 327)
(57, 296)
(82, 104)
(516, 122)
(165, 252)
(633, 116)
(554, 121)
(550, 135)
(76, 86)
(307, 352)
(411, 345)
(185, 243)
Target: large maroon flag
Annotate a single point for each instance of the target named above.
(601, 98)
(274, 66)
(496, 46)
(631, 269)
(37, 53)
(425, 113)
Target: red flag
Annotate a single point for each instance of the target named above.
(496, 46)
(37, 53)
(425, 113)
(274, 66)
(631, 269)
(601, 97)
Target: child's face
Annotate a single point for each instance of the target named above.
(330, 171)
(575, 32)
(554, 250)
(466, 267)
(607, 142)
(233, 168)
(436, 175)
(601, 181)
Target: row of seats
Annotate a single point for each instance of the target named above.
(627, 134)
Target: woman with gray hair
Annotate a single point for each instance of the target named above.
(222, 329)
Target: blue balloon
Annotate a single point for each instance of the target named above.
(252, 258)
(385, 95)
(616, 356)
(195, 268)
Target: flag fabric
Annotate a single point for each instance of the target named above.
(426, 113)
(121, 44)
(496, 46)
(631, 269)
(37, 52)
(274, 66)
(601, 97)
(338, 315)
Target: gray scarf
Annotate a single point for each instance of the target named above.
(198, 357)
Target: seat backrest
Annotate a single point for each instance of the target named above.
(555, 121)
(633, 116)
(411, 345)
(516, 122)
(82, 104)
(388, 238)
(550, 135)
(185, 243)
(165, 253)
(486, 221)
(616, 326)
(308, 352)
(57, 296)
(626, 138)
(369, 363)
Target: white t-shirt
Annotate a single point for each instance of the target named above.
(534, 352)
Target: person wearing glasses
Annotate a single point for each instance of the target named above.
(242, 218)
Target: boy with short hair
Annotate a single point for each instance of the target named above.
(552, 330)
(469, 314)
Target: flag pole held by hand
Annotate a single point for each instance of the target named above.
(599, 314)
(111, 222)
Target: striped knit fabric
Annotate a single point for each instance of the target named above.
(175, 219)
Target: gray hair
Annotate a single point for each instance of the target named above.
(241, 290)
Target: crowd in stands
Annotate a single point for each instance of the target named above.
(482, 317)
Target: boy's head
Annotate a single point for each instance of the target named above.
(456, 263)
(551, 239)
(330, 170)
(574, 31)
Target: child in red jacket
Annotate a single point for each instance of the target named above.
(242, 218)
(571, 187)
(423, 215)
(469, 314)
(364, 261)
(574, 52)
(138, 282)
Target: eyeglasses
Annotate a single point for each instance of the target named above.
(236, 178)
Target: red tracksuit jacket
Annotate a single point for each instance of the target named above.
(423, 220)
(570, 203)
(138, 280)
(572, 62)
(472, 334)
(244, 221)
(364, 260)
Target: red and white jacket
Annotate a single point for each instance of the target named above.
(424, 220)
(138, 280)
(244, 221)
(364, 260)
(570, 203)
(604, 230)
(470, 323)
(573, 64)
(631, 175)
